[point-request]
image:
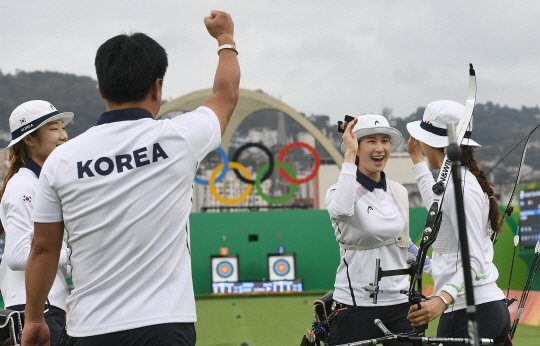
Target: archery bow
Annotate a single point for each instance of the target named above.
(509, 209)
(434, 218)
(507, 212)
(433, 222)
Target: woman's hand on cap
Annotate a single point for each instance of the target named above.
(415, 150)
(351, 143)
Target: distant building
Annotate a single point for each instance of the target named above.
(306, 137)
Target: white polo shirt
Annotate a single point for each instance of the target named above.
(15, 211)
(364, 212)
(123, 189)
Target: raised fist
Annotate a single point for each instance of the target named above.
(220, 25)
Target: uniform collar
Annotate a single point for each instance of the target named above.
(123, 115)
(32, 165)
(369, 183)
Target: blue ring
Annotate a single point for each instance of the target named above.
(287, 267)
(220, 177)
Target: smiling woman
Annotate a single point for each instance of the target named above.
(37, 128)
(370, 215)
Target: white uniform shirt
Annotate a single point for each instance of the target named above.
(446, 262)
(123, 189)
(363, 215)
(15, 211)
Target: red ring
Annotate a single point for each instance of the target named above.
(315, 157)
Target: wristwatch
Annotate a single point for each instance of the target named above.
(227, 46)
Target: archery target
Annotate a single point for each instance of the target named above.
(224, 268)
(281, 267)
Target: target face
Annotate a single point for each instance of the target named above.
(281, 267)
(224, 268)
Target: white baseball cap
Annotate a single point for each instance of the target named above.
(30, 116)
(369, 124)
(432, 128)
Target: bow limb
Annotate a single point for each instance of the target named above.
(509, 209)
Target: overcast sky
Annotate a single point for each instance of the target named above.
(322, 57)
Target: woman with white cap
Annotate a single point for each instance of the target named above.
(482, 219)
(36, 129)
(370, 216)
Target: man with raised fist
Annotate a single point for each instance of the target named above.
(123, 190)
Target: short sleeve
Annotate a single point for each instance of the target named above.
(47, 206)
(201, 129)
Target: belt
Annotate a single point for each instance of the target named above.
(338, 306)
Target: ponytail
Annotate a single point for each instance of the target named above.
(494, 212)
(17, 156)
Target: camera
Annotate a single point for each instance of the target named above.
(342, 125)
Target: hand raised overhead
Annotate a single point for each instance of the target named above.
(220, 26)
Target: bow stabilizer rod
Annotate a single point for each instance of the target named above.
(528, 285)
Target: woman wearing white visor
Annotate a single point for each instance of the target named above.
(36, 129)
(482, 218)
(370, 216)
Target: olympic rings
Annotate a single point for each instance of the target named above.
(315, 157)
(270, 199)
(225, 159)
(227, 200)
(263, 174)
(266, 151)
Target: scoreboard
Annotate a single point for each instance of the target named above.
(257, 287)
(529, 217)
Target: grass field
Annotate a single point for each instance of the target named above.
(278, 321)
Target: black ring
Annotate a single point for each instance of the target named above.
(419, 306)
(266, 151)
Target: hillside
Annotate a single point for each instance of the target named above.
(67, 92)
(498, 129)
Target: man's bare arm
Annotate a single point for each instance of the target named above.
(227, 79)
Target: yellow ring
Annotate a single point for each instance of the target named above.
(234, 165)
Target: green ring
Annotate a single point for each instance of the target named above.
(270, 199)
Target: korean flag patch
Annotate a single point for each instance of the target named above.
(27, 199)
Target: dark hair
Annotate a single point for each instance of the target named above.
(128, 65)
(494, 212)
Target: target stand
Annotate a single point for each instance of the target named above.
(224, 268)
(281, 266)
(226, 276)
